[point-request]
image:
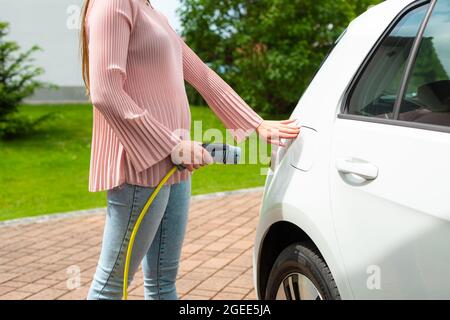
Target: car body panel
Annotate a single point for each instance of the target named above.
(321, 101)
(292, 188)
(393, 229)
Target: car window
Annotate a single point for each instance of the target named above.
(376, 90)
(427, 98)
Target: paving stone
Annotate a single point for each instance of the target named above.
(216, 258)
(47, 294)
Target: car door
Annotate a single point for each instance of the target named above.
(390, 164)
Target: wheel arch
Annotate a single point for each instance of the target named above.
(279, 236)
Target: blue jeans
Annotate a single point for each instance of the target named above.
(157, 245)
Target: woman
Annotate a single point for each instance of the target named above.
(134, 67)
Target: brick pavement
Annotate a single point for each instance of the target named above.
(38, 259)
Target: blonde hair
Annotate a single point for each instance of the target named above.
(84, 48)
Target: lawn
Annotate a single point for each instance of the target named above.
(48, 172)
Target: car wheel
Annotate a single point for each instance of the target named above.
(300, 273)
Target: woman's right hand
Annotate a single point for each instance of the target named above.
(191, 155)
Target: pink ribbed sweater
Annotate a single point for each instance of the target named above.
(138, 65)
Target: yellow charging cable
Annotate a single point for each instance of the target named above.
(221, 153)
(136, 229)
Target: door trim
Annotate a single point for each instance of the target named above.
(399, 123)
(375, 48)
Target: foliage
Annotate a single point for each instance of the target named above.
(428, 67)
(268, 50)
(17, 81)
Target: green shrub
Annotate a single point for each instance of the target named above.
(268, 50)
(18, 80)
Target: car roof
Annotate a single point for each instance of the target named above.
(344, 61)
(383, 12)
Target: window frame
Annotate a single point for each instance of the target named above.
(410, 63)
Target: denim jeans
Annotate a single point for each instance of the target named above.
(157, 245)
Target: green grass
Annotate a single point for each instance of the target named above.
(48, 172)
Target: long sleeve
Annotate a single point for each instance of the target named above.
(145, 140)
(222, 99)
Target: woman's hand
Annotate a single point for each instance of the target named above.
(274, 131)
(191, 155)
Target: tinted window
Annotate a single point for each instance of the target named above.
(376, 91)
(427, 99)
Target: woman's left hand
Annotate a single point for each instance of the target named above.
(274, 131)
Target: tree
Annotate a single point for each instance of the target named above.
(17, 81)
(268, 50)
(428, 67)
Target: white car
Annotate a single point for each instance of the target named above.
(358, 207)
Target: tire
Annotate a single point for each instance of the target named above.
(301, 263)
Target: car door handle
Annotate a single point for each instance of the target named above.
(358, 167)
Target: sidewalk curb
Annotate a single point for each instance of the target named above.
(80, 213)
